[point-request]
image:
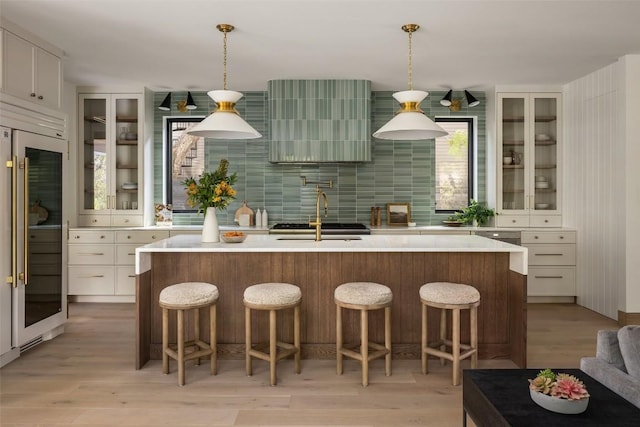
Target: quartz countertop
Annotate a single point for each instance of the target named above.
(361, 243)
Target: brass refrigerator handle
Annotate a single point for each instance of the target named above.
(26, 221)
(14, 222)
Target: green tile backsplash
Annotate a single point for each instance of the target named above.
(400, 171)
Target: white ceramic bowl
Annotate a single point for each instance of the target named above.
(542, 205)
(542, 184)
(540, 178)
(542, 137)
(507, 160)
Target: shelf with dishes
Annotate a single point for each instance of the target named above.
(127, 119)
(540, 119)
(127, 142)
(125, 166)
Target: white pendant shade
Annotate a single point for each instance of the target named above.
(412, 124)
(224, 123)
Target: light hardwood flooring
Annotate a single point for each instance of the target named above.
(85, 377)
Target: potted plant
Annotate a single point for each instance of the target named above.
(476, 213)
(562, 393)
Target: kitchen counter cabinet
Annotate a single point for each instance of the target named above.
(404, 263)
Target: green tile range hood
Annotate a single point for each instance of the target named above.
(320, 121)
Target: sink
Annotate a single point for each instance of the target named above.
(313, 238)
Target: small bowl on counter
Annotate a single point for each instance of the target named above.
(233, 236)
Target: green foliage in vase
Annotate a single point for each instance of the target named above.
(475, 211)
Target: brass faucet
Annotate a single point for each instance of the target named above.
(318, 222)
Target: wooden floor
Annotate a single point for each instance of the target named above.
(85, 377)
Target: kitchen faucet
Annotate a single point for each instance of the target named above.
(318, 222)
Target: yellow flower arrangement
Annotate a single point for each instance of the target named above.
(213, 189)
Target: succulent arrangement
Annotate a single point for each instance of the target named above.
(562, 386)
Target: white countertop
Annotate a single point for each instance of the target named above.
(366, 243)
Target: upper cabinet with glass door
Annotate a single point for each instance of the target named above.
(110, 160)
(529, 133)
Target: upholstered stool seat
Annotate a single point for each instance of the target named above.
(181, 297)
(454, 297)
(364, 296)
(273, 297)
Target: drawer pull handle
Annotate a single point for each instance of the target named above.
(97, 276)
(94, 220)
(548, 254)
(132, 275)
(549, 277)
(535, 237)
(102, 237)
(561, 237)
(153, 236)
(91, 253)
(128, 237)
(131, 253)
(76, 237)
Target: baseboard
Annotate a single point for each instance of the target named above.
(102, 298)
(9, 356)
(628, 318)
(545, 300)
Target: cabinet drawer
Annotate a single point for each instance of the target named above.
(91, 280)
(552, 254)
(94, 220)
(126, 254)
(91, 236)
(125, 281)
(126, 220)
(45, 235)
(548, 237)
(551, 281)
(141, 236)
(545, 221)
(91, 254)
(512, 220)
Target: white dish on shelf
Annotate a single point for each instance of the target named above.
(542, 205)
(542, 137)
(542, 184)
(540, 179)
(129, 186)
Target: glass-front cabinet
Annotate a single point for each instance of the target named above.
(110, 170)
(529, 160)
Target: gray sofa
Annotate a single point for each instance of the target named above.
(617, 362)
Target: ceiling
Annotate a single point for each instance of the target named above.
(478, 44)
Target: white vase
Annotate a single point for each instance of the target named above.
(210, 229)
(562, 406)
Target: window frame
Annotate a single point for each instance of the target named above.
(167, 157)
(471, 159)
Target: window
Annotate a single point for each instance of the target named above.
(184, 157)
(454, 164)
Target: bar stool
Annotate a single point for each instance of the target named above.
(364, 296)
(273, 297)
(182, 297)
(454, 297)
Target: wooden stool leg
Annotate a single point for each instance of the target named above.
(165, 340)
(196, 330)
(272, 346)
(247, 340)
(455, 331)
(296, 337)
(364, 346)
(443, 333)
(474, 336)
(181, 347)
(387, 340)
(338, 340)
(425, 366)
(213, 339)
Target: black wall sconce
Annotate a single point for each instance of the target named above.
(454, 104)
(183, 106)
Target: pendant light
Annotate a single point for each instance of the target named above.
(225, 122)
(410, 122)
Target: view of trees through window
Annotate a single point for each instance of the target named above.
(186, 156)
(454, 164)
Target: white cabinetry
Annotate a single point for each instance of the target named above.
(31, 72)
(552, 263)
(110, 159)
(102, 263)
(529, 160)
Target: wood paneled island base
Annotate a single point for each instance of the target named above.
(501, 315)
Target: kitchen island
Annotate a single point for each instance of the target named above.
(404, 263)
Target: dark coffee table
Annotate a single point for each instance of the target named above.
(500, 397)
